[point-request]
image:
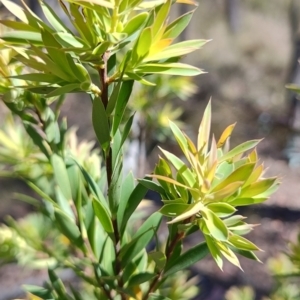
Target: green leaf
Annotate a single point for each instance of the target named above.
(175, 28)
(134, 200)
(242, 243)
(180, 138)
(141, 238)
(239, 150)
(22, 37)
(69, 40)
(182, 168)
(61, 175)
(127, 188)
(100, 123)
(121, 104)
(64, 203)
(247, 254)
(38, 77)
(142, 46)
(135, 23)
(103, 216)
(257, 188)
(159, 258)
(214, 251)
(57, 284)
(53, 19)
(38, 291)
(221, 209)
(215, 225)
(233, 220)
(64, 90)
(177, 50)
(140, 278)
(37, 139)
(160, 18)
(246, 201)
(293, 87)
(204, 130)
(67, 227)
(100, 3)
(173, 210)
(114, 97)
(157, 297)
(151, 185)
(241, 174)
(169, 69)
(191, 211)
(126, 129)
(18, 26)
(187, 259)
(225, 192)
(94, 188)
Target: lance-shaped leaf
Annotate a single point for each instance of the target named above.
(241, 174)
(100, 123)
(169, 69)
(257, 188)
(174, 29)
(191, 211)
(173, 209)
(100, 3)
(121, 103)
(135, 23)
(64, 90)
(180, 137)
(204, 130)
(68, 227)
(22, 37)
(160, 18)
(61, 175)
(187, 259)
(53, 19)
(239, 150)
(181, 167)
(242, 243)
(229, 254)
(216, 227)
(176, 50)
(142, 46)
(103, 216)
(225, 135)
(222, 210)
(227, 191)
(132, 203)
(141, 238)
(40, 292)
(214, 250)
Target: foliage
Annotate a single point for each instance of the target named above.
(89, 208)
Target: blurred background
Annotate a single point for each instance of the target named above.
(253, 54)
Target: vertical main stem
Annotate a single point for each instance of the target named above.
(109, 167)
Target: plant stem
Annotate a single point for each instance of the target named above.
(109, 168)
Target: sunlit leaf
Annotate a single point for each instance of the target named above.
(215, 225)
(170, 69)
(204, 129)
(191, 211)
(225, 135)
(222, 209)
(242, 243)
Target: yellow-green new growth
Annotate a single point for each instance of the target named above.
(206, 192)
